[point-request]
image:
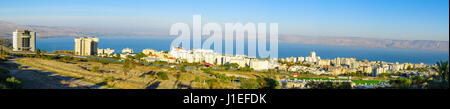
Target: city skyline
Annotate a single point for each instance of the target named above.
(411, 20)
(339, 70)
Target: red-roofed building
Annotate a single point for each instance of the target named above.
(207, 64)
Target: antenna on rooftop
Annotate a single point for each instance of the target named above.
(78, 34)
(84, 34)
(28, 27)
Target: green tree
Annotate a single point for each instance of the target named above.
(207, 70)
(117, 56)
(162, 75)
(329, 85)
(443, 68)
(182, 69)
(409, 68)
(68, 58)
(128, 64)
(250, 84)
(139, 56)
(233, 65)
(38, 52)
(246, 68)
(178, 75)
(268, 83)
(212, 83)
(401, 83)
(95, 69)
(13, 83)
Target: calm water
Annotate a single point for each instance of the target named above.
(285, 49)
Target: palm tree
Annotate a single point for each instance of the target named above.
(442, 68)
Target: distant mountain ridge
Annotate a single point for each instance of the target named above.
(368, 42)
(7, 28)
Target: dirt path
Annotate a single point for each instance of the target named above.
(34, 78)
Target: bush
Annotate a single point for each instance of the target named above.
(384, 75)
(197, 79)
(212, 83)
(207, 70)
(13, 83)
(95, 69)
(7, 81)
(246, 68)
(4, 73)
(183, 69)
(109, 79)
(437, 84)
(162, 75)
(329, 85)
(250, 84)
(222, 77)
(268, 83)
(3, 86)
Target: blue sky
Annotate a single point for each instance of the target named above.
(392, 19)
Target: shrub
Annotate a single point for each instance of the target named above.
(249, 84)
(95, 69)
(246, 68)
(197, 79)
(183, 69)
(329, 85)
(437, 84)
(212, 83)
(162, 75)
(109, 79)
(207, 70)
(13, 83)
(4, 73)
(3, 86)
(267, 83)
(222, 77)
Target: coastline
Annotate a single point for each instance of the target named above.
(285, 49)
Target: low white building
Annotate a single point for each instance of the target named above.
(208, 56)
(123, 56)
(179, 53)
(259, 64)
(127, 51)
(105, 52)
(148, 51)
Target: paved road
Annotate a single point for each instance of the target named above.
(34, 78)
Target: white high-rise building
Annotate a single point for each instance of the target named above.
(312, 57)
(24, 40)
(312, 54)
(86, 46)
(259, 64)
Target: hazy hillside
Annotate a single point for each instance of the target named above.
(368, 42)
(7, 28)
